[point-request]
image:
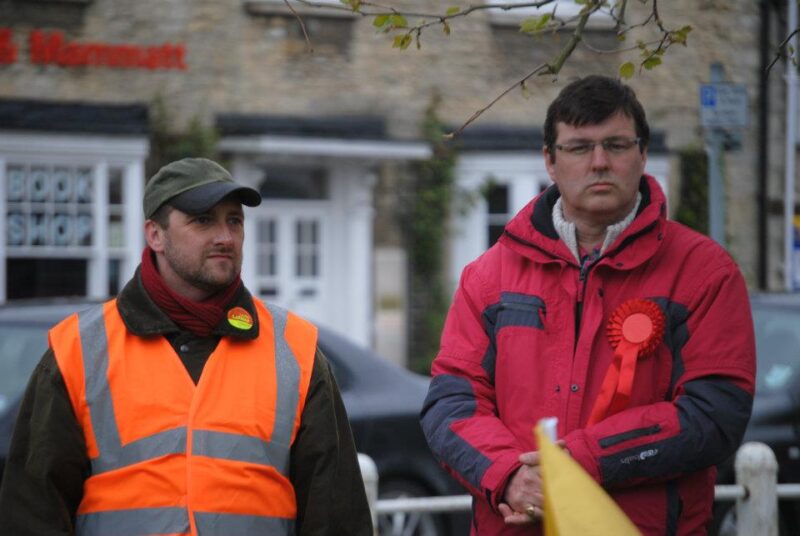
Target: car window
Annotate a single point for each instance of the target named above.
(21, 347)
(777, 346)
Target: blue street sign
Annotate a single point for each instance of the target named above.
(723, 106)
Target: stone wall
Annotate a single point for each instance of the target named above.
(239, 61)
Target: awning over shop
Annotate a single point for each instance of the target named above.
(71, 117)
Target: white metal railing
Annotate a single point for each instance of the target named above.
(756, 493)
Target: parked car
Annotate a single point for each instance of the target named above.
(776, 407)
(383, 402)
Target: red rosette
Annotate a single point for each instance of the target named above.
(634, 330)
(639, 322)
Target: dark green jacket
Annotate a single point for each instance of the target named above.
(47, 463)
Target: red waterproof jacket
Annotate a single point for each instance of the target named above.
(525, 338)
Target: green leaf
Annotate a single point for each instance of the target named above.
(528, 25)
(398, 21)
(545, 19)
(453, 10)
(680, 36)
(380, 21)
(355, 5)
(525, 90)
(446, 28)
(402, 41)
(534, 24)
(649, 63)
(626, 70)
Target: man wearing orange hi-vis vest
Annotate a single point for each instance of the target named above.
(184, 406)
(593, 307)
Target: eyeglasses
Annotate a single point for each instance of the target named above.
(610, 145)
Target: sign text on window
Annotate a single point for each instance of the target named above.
(48, 206)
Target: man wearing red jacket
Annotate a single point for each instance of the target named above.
(594, 308)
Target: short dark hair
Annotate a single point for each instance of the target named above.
(592, 100)
(161, 215)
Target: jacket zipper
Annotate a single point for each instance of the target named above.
(584, 272)
(580, 297)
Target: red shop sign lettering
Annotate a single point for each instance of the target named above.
(52, 48)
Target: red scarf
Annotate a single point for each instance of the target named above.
(198, 317)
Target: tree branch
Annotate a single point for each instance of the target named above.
(309, 46)
(545, 68)
(391, 19)
(574, 39)
(781, 53)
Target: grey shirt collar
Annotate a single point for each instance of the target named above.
(566, 229)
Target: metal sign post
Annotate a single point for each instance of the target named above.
(716, 188)
(723, 110)
(790, 263)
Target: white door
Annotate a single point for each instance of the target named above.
(292, 264)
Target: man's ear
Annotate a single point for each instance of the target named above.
(154, 235)
(549, 164)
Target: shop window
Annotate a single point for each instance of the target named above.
(45, 278)
(65, 229)
(49, 206)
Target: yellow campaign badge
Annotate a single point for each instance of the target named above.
(240, 318)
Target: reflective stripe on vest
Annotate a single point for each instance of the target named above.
(214, 444)
(176, 521)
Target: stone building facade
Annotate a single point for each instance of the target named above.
(330, 136)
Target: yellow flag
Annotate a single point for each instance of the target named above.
(574, 504)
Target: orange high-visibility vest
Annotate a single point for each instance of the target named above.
(170, 457)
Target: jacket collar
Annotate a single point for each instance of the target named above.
(143, 317)
(532, 233)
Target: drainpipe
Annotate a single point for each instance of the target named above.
(762, 170)
(791, 155)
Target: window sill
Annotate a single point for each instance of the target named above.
(567, 12)
(278, 7)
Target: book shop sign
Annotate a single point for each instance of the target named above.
(49, 206)
(53, 48)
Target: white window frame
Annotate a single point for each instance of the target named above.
(565, 10)
(99, 153)
(523, 172)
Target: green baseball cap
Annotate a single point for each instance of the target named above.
(194, 186)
